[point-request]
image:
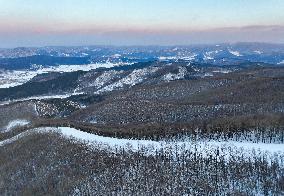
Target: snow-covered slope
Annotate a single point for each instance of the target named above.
(135, 77)
(15, 78)
(225, 149)
(137, 144)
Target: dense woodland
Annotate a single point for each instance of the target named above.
(31, 169)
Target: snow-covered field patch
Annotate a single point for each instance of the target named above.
(15, 78)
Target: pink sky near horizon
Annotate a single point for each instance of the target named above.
(137, 22)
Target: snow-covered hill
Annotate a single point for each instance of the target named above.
(11, 78)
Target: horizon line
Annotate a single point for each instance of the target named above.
(147, 45)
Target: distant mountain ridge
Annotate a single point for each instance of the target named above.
(218, 54)
(29, 61)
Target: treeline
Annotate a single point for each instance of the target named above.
(264, 129)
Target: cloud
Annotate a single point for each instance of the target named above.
(43, 35)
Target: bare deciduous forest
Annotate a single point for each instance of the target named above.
(31, 169)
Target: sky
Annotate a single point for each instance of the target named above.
(139, 22)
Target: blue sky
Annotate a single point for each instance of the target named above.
(131, 22)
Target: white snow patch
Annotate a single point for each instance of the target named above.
(180, 75)
(236, 53)
(116, 55)
(16, 123)
(72, 68)
(258, 52)
(188, 58)
(208, 75)
(163, 58)
(207, 56)
(84, 54)
(175, 49)
(183, 57)
(281, 62)
(210, 55)
(222, 71)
